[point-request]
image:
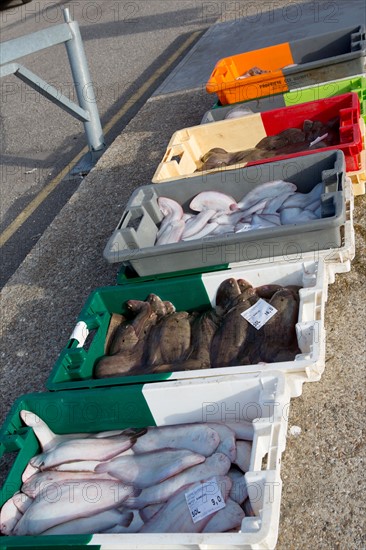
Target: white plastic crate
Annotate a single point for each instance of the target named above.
(257, 397)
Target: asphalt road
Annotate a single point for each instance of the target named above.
(127, 44)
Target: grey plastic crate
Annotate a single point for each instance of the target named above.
(132, 243)
(328, 56)
(322, 90)
(321, 58)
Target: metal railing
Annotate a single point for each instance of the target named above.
(87, 111)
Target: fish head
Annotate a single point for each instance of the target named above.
(227, 291)
(243, 284)
(157, 305)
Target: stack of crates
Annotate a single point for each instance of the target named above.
(189, 273)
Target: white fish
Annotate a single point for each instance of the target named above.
(149, 511)
(227, 440)
(172, 233)
(29, 472)
(239, 490)
(222, 229)
(216, 465)
(301, 200)
(227, 518)
(212, 200)
(307, 215)
(44, 434)
(297, 215)
(318, 212)
(238, 112)
(22, 502)
(171, 210)
(71, 500)
(274, 218)
(206, 230)
(243, 454)
(274, 204)
(194, 225)
(243, 429)
(77, 466)
(248, 510)
(70, 451)
(175, 517)
(9, 517)
(256, 208)
(199, 438)
(314, 205)
(170, 207)
(260, 222)
(111, 433)
(232, 218)
(187, 216)
(148, 469)
(242, 227)
(266, 190)
(97, 523)
(290, 215)
(134, 526)
(45, 480)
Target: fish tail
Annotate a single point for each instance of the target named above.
(43, 433)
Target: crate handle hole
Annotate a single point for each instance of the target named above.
(264, 465)
(177, 158)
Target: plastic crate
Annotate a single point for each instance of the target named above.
(261, 398)
(132, 243)
(294, 97)
(358, 177)
(197, 291)
(188, 145)
(331, 56)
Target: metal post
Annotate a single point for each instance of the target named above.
(84, 86)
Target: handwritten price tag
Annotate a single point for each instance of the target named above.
(259, 314)
(204, 499)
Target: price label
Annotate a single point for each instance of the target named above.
(259, 314)
(204, 499)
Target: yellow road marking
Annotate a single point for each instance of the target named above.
(38, 199)
(47, 190)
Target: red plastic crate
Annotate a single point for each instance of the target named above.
(187, 146)
(347, 106)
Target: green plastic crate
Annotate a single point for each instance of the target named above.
(261, 398)
(296, 96)
(74, 366)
